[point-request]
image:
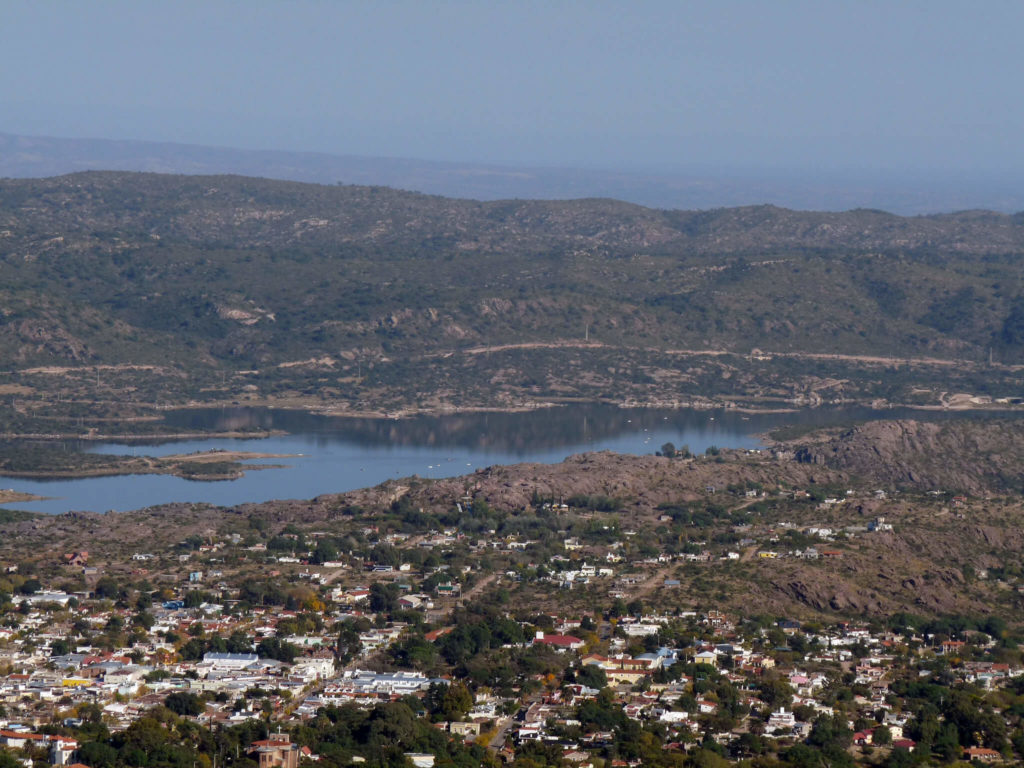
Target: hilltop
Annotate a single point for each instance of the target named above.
(695, 187)
(971, 457)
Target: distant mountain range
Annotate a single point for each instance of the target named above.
(33, 157)
(593, 299)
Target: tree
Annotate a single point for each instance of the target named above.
(146, 735)
(184, 703)
(775, 692)
(348, 646)
(592, 676)
(803, 756)
(276, 648)
(900, 758)
(618, 608)
(391, 725)
(325, 552)
(947, 743)
(415, 652)
(456, 702)
(193, 650)
(238, 642)
(95, 754)
(60, 648)
(383, 597)
(107, 588)
(830, 731)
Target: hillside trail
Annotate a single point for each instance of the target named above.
(479, 587)
(581, 344)
(655, 581)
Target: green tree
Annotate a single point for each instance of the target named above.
(830, 730)
(184, 703)
(592, 676)
(456, 702)
(775, 692)
(276, 648)
(348, 645)
(95, 754)
(107, 588)
(900, 758)
(383, 597)
(60, 647)
(325, 552)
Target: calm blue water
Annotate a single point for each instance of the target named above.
(331, 455)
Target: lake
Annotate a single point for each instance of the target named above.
(331, 455)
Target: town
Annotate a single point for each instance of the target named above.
(566, 633)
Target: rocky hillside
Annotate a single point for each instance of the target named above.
(355, 292)
(968, 456)
(87, 208)
(933, 560)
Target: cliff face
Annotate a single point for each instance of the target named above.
(966, 456)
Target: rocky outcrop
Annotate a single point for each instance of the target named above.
(969, 456)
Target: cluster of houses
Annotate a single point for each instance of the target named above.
(126, 682)
(875, 659)
(641, 671)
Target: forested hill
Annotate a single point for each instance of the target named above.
(242, 212)
(242, 273)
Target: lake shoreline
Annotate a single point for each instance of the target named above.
(744, 406)
(317, 408)
(344, 454)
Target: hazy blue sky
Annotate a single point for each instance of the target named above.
(769, 84)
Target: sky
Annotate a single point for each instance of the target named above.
(641, 85)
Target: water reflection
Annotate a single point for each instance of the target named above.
(522, 433)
